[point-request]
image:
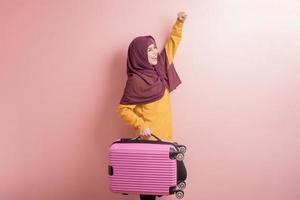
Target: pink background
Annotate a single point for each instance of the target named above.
(62, 72)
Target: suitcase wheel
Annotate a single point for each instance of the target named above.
(179, 194)
(181, 185)
(182, 148)
(180, 157)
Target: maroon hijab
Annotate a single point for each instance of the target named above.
(146, 83)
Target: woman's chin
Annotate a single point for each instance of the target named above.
(154, 63)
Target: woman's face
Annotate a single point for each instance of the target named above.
(152, 54)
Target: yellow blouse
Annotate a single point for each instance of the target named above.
(155, 115)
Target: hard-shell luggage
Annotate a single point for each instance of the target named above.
(145, 167)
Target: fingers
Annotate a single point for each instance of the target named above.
(182, 16)
(146, 132)
(149, 132)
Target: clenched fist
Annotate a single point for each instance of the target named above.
(182, 16)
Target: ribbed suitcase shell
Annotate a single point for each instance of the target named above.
(142, 168)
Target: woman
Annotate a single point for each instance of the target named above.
(145, 104)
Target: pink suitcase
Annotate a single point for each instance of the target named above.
(145, 167)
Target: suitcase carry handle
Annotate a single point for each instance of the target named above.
(151, 135)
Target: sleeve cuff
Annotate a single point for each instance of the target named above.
(179, 22)
(142, 127)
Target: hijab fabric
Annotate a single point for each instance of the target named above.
(146, 83)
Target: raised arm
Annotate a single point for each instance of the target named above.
(175, 37)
